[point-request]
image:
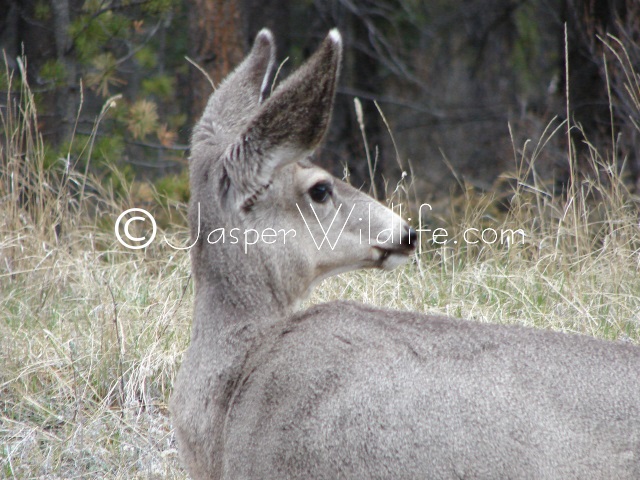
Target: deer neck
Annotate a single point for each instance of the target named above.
(238, 306)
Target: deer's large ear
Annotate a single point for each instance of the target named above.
(237, 99)
(289, 125)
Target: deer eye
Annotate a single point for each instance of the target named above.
(321, 192)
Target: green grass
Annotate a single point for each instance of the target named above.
(91, 334)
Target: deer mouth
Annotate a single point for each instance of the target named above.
(390, 258)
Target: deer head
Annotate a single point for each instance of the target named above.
(263, 217)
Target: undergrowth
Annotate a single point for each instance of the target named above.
(91, 333)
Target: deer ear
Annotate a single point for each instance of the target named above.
(289, 125)
(238, 97)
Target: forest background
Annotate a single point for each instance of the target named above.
(459, 82)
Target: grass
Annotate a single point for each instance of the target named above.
(91, 334)
(89, 349)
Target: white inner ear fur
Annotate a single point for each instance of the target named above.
(282, 156)
(264, 88)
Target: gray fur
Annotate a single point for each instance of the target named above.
(343, 390)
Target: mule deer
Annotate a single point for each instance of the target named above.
(344, 390)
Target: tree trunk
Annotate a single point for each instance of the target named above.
(65, 98)
(216, 44)
(9, 31)
(588, 98)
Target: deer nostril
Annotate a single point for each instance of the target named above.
(410, 237)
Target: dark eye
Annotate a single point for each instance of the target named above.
(321, 192)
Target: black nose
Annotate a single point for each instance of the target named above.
(410, 238)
